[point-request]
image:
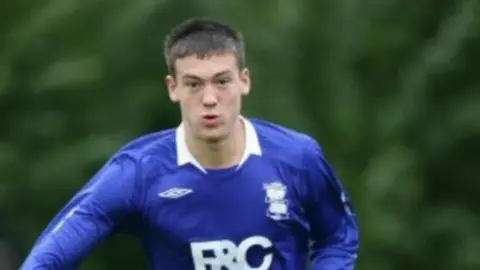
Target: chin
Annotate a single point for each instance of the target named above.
(213, 136)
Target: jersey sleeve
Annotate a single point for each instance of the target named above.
(90, 217)
(333, 225)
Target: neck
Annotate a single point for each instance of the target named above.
(219, 154)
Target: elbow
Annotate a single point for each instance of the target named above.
(42, 262)
(343, 250)
(347, 239)
(343, 245)
(339, 254)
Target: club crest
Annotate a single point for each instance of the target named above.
(275, 197)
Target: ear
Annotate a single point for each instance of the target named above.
(245, 79)
(172, 88)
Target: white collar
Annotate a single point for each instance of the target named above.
(252, 146)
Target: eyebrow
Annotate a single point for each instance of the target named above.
(193, 77)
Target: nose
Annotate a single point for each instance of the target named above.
(209, 98)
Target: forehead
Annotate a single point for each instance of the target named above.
(206, 66)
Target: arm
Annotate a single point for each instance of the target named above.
(87, 219)
(334, 229)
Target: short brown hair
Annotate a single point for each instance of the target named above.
(202, 37)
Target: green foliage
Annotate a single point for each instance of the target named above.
(389, 88)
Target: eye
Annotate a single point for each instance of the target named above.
(193, 85)
(223, 82)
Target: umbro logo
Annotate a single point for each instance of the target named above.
(175, 193)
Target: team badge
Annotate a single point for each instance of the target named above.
(276, 194)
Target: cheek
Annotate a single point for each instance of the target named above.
(191, 106)
(234, 97)
(187, 99)
(186, 105)
(237, 100)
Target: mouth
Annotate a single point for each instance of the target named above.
(210, 120)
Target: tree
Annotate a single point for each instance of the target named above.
(389, 89)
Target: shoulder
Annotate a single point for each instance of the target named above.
(150, 152)
(151, 143)
(285, 144)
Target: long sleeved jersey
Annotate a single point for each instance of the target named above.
(269, 212)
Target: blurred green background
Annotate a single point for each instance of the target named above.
(388, 87)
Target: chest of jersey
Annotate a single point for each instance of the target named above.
(249, 218)
(228, 204)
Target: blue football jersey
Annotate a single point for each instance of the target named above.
(280, 204)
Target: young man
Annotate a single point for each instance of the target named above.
(220, 191)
